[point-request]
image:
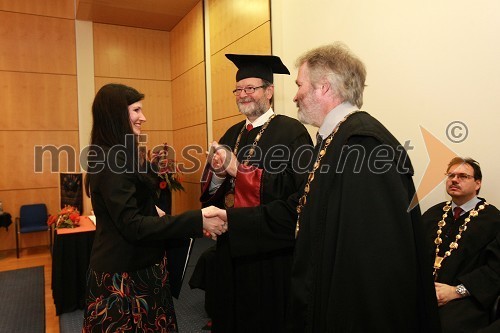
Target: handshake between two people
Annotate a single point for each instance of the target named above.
(214, 221)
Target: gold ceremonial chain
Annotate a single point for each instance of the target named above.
(229, 196)
(307, 187)
(251, 151)
(453, 245)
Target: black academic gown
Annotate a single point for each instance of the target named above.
(253, 272)
(360, 263)
(475, 263)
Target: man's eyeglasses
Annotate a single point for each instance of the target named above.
(461, 176)
(248, 90)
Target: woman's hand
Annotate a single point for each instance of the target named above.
(214, 221)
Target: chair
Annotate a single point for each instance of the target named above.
(32, 218)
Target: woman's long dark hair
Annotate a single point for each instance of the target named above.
(111, 121)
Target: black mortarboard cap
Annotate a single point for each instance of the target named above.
(261, 66)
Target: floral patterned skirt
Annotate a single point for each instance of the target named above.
(137, 301)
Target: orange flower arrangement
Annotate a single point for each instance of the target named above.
(68, 217)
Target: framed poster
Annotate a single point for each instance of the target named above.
(71, 190)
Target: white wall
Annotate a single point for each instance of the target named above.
(429, 63)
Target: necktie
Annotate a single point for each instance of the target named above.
(456, 212)
(249, 127)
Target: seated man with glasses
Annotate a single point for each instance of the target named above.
(464, 241)
(258, 160)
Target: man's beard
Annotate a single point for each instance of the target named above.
(311, 114)
(255, 109)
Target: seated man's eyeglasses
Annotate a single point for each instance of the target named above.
(248, 90)
(461, 176)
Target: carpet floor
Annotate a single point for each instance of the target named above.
(189, 308)
(22, 300)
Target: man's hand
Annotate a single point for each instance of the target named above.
(445, 293)
(214, 221)
(222, 160)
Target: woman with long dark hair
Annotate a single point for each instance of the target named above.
(127, 280)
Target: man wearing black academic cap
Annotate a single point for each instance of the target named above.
(265, 160)
(360, 263)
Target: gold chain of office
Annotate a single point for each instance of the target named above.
(251, 151)
(453, 245)
(229, 196)
(307, 187)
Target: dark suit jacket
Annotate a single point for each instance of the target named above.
(129, 233)
(476, 264)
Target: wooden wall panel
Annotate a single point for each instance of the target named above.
(157, 103)
(39, 95)
(224, 71)
(187, 42)
(39, 44)
(191, 145)
(54, 8)
(221, 126)
(233, 19)
(189, 102)
(17, 171)
(39, 101)
(188, 200)
(156, 138)
(125, 52)
(13, 200)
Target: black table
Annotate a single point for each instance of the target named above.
(70, 261)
